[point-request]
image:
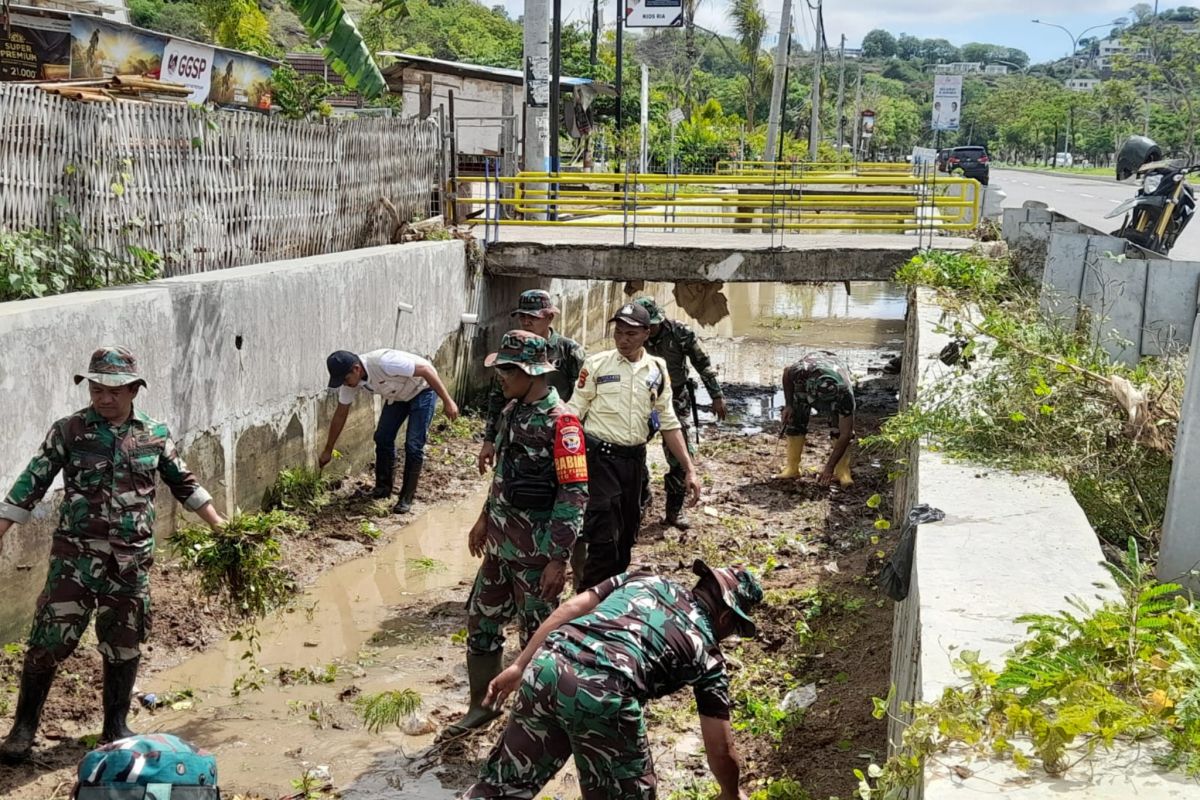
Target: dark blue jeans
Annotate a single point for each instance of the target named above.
(419, 413)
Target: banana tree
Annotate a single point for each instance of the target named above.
(347, 53)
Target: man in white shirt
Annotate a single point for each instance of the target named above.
(409, 386)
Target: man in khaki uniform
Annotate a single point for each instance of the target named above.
(623, 396)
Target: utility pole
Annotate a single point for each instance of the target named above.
(644, 150)
(814, 126)
(555, 83)
(841, 118)
(620, 82)
(536, 129)
(857, 110)
(595, 32)
(780, 76)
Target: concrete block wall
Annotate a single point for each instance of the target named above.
(1010, 544)
(235, 361)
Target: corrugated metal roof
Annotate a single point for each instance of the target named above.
(498, 74)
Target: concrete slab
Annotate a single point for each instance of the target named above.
(1170, 306)
(599, 254)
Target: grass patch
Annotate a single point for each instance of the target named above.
(300, 489)
(387, 709)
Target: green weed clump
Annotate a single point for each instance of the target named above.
(385, 709)
(300, 489)
(239, 562)
(1126, 672)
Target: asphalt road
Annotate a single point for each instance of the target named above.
(1084, 199)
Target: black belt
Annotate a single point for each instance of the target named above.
(603, 448)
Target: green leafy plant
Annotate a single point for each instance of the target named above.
(385, 709)
(369, 529)
(298, 489)
(1126, 671)
(426, 565)
(239, 562)
(300, 96)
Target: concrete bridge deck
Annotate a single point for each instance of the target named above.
(696, 255)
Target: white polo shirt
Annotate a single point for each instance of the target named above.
(390, 374)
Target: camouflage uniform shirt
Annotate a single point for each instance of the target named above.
(109, 480)
(810, 368)
(538, 441)
(566, 355)
(676, 344)
(655, 634)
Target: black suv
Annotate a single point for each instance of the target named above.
(972, 160)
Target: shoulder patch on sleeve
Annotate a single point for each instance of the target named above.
(570, 456)
(583, 376)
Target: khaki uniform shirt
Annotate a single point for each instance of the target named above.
(614, 397)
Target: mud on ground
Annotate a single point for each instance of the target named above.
(823, 623)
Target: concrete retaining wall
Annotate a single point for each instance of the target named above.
(235, 364)
(1010, 544)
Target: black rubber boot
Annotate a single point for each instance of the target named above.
(408, 489)
(481, 669)
(119, 678)
(676, 516)
(35, 686)
(384, 485)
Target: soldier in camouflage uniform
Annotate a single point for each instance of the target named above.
(676, 343)
(532, 516)
(102, 551)
(819, 382)
(586, 675)
(535, 312)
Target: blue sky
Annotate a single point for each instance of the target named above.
(1005, 22)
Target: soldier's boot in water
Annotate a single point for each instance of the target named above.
(481, 669)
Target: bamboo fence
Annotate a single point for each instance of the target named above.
(205, 189)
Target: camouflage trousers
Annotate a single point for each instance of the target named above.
(564, 709)
(673, 484)
(85, 577)
(505, 589)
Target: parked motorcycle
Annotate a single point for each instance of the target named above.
(1165, 202)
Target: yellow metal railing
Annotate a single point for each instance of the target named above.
(879, 203)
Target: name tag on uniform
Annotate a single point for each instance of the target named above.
(608, 379)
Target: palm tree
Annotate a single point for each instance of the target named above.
(750, 24)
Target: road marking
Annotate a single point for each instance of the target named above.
(1085, 194)
(1115, 202)
(1042, 188)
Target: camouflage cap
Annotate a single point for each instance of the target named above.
(535, 303)
(739, 589)
(523, 350)
(657, 317)
(112, 366)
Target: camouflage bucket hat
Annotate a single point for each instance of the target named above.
(535, 303)
(739, 589)
(523, 350)
(656, 315)
(112, 366)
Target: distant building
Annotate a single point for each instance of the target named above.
(995, 69)
(853, 52)
(959, 68)
(1082, 84)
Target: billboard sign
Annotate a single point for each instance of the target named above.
(34, 48)
(653, 13)
(947, 102)
(190, 65)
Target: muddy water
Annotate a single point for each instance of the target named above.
(265, 739)
(389, 621)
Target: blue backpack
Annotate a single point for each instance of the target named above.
(154, 766)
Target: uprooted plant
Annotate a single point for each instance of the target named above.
(1123, 671)
(1029, 393)
(385, 709)
(239, 563)
(299, 489)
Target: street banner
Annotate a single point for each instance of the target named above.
(923, 156)
(101, 49)
(653, 13)
(34, 48)
(947, 102)
(239, 80)
(188, 64)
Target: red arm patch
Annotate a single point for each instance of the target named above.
(570, 456)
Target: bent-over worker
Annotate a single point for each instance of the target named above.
(818, 382)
